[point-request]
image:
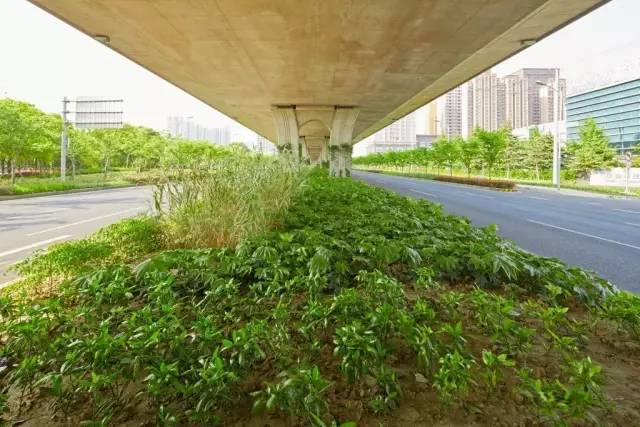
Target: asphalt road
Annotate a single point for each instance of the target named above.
(597, 233)
(31, 224)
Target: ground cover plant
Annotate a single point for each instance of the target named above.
(360, 307)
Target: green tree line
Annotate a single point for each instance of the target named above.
(500, 153)
(30, 141)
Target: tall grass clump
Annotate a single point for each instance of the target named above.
(219, 204)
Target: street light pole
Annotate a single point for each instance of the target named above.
(64, 141)
(556, 140)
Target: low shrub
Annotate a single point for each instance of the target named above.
(501, 184)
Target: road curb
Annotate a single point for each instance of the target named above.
(578, 193)
(77, 190)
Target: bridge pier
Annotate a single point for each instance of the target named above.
(321, 135)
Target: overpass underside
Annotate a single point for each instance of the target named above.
(316, 76)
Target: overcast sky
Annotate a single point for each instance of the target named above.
(43, 59)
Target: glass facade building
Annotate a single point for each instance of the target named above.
(615, 108)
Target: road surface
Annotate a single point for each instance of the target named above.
(598, 233)
(27, 225)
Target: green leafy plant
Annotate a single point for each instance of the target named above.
(493, 366)
(359, 348)
(299, 393)
(453, 377)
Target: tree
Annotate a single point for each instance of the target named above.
(445, 153)
(25, 134)
(539, 151)
(492, 146)
(591, 151)
(511, 147)
(469, 150)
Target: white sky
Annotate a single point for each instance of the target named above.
(42, 60)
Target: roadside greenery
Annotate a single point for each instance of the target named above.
(30, 145)
(500, 154)
(357, 307)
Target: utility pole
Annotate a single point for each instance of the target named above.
(64, 141)
(628, 162)
(556, 140)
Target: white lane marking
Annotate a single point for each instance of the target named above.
(33, 245)
(594, 203)
(632, 223)
(476, 195)
(627, 211)
(84, 221)
(424, 193)
(32, 215)
(537, 198)
(584, 234)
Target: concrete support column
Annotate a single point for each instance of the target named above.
(287, 130)
(318, 134)
(325, 155)
(304, 152)
(340, 142)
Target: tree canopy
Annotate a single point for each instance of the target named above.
(30, 140)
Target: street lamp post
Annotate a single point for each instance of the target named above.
(556, 140)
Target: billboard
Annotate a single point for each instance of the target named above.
(93, 112)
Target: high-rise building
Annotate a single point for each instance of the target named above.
(488, 101)
(547, 104)
(537, 112)
(452, 115)
(516, 103)
(519, 99)
(468, 125)
(398, 136)
(182, 127)
(431, 118)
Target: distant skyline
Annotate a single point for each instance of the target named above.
(44, 59)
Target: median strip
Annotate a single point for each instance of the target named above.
(33, 245)
(584, 234)
(84, 221)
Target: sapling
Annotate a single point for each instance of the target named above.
(453, 377)
(493, 366)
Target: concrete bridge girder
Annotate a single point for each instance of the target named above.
(319, 133)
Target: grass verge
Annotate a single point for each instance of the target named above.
(362, 307)
(31, 185)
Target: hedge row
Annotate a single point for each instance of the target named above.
(502, 184)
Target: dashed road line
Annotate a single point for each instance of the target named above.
(424, 193)
(84, 221)
(536, 198)
(584, 234)
(627, 211)
(477, 195)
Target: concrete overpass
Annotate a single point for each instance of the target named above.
(316, 76)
